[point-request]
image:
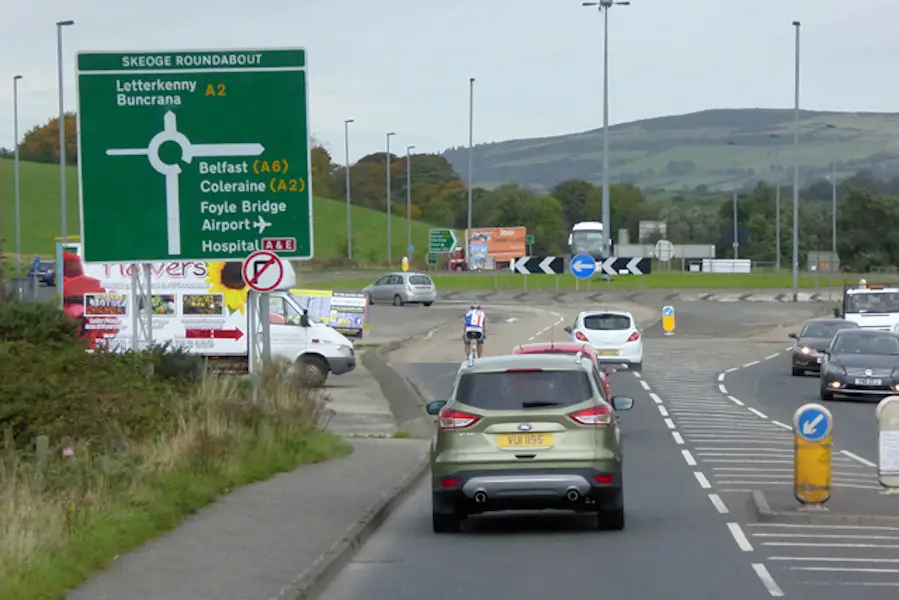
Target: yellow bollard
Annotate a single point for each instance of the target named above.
(812, 455)
(405, 264)
(668, 319)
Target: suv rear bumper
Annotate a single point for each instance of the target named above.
(523, 489)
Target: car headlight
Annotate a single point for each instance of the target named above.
(804, 349)
(344, 349)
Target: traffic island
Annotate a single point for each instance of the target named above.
(846, 507)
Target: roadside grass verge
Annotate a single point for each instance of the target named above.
(145, 451)
(683, 281)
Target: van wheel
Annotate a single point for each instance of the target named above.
(313, 371)
(428, 303)
(397, 300)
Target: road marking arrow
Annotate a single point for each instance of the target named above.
(809, 427)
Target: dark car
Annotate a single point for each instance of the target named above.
(44, 271)
(812, 340)
(861, 363)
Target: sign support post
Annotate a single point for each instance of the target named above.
(812, 455)
(888, 444)
(141, 307)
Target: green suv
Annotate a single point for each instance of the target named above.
(524, 432)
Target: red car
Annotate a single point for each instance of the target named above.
(570, 348)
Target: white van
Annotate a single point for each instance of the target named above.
(204, 309)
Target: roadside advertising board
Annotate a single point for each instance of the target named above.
(346, 312)
(501, 244)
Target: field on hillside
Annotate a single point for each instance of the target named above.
(40, 214)
(715, 148)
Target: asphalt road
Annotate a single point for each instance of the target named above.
(770, 386)
(674, 544)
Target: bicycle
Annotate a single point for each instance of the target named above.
(472, 338)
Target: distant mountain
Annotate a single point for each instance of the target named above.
(713, 148)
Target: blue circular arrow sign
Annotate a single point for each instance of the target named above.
(583, 266)
(812, 422)
(668, 311)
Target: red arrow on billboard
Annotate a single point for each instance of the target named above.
(213, 334)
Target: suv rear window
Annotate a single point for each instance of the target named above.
(419, 280)
(607, 322)
(523, 390)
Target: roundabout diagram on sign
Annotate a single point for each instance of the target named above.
(171, 172)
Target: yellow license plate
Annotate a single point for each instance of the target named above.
(525, 440)
(607, 352)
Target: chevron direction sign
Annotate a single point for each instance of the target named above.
(538, 265)
(616, 265)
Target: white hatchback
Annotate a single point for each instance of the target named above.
(613, 333)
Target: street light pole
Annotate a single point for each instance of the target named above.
(409, 200)
(604, 6)
(796, 26)
(833, 193)
(349, 224)
(470, 163)
(736, 227)
(777, 178)
(62, 131)
(389, 201)
(15, 129)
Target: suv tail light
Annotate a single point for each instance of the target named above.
(456, 419)
(580, 336)
(598, 416)
(634, 336)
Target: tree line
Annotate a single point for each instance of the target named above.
(868, 207)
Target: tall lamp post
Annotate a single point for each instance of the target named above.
(796, 26)
(62, 131)
(776, 204)
(470, 162)
(833, 199)
(349, 224)
(15, 129)
(736, 244)
(604, 6)
(409, 199)
(389, 202)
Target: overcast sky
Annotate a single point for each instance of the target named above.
(404, 65)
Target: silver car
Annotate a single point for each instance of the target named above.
(402, 288)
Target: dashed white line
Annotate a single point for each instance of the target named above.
(720, 506)
(689, 458)
(757, 413)
(720, 376)
(677, 438)
(644, 384)
(723, 389)
(532, 338)
(750, 364)
(739, 537)
(767, 580)
(770, 356)
(731, 370)
(703, 482)
(663, 411)
(782, 425)
(736, 401)
(655, 397)
(637, 375)
(670, 424)
(857, 458)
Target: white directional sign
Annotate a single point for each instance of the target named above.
(538, 265)
(615, 265)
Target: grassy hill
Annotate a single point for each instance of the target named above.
(40, 212)
(686, 151)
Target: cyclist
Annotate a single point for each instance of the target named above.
(474, 329)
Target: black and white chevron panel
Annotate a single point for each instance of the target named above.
(616, 265)
(538, 265)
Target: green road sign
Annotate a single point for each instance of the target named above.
(432, 258)
(442, 240)
(194, 155)
(529, 239)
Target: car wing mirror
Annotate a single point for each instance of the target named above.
(622, 403)
(568, 330)
(792, 336)
(433, 408)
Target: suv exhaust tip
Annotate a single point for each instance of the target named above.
(480, 497)
(572, 495)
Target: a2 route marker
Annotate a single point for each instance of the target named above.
(812, 455)
(263, 271)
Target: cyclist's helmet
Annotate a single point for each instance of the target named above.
(475, 305)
